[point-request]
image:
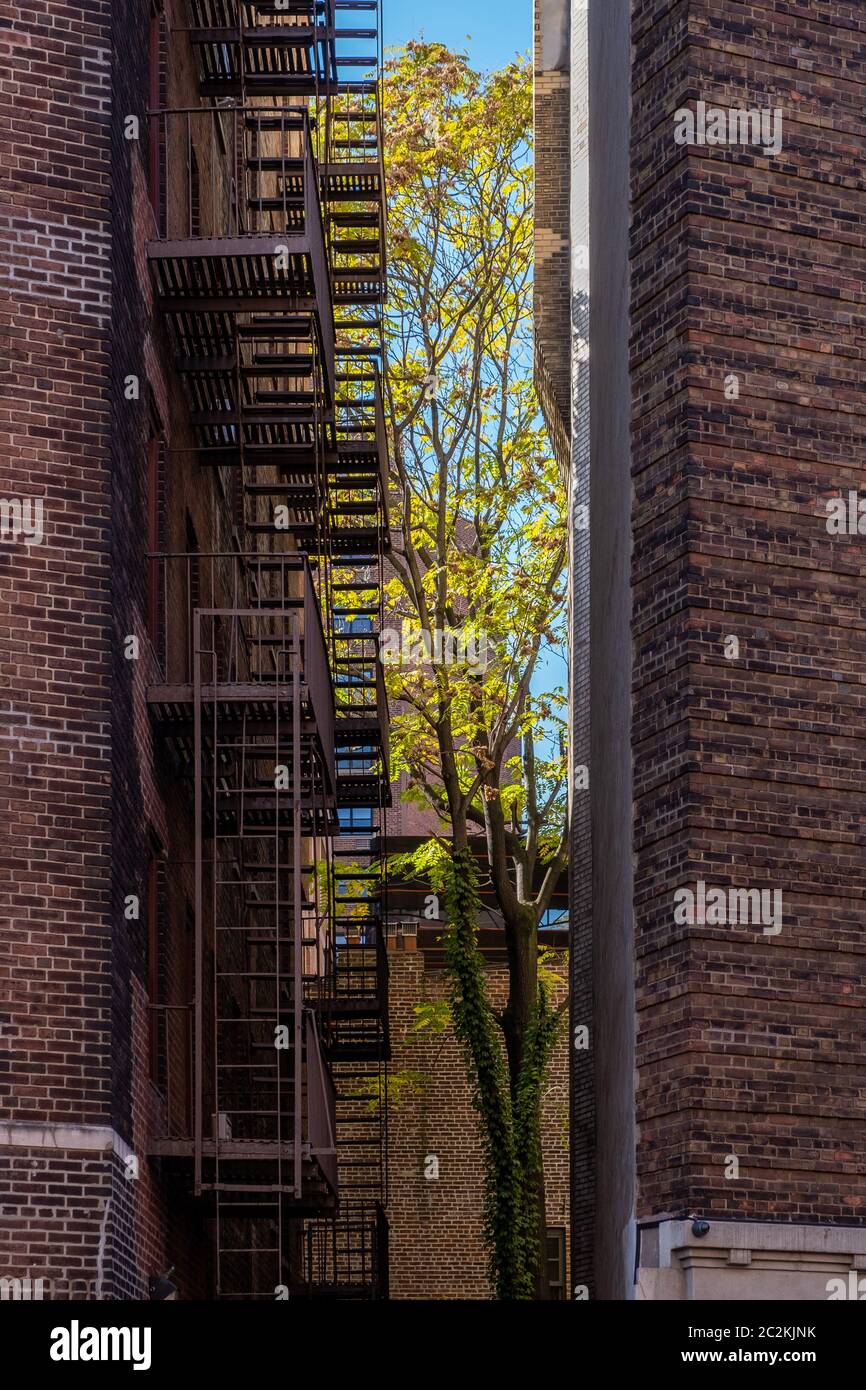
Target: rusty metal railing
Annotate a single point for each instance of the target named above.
(235, 171)
(268, 586)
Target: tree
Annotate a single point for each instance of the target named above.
(478, 596)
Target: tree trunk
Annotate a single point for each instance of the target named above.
(522, 945)
(521, 939)
(476, 1030)
(507, 1099)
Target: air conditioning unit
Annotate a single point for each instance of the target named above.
(222, 1125)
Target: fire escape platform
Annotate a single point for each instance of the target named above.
(244, 708)
(247, 1182)
(228, 81)
(347, 1290)
(361, 790)
(235, 47)
(349, 182)
(356, 1007)
(236, 272)
(227, 1150)
(354, 1051)
(351, 730)
(216, 289)
(357, 456)
(228, 696)
(174, 722)
(267, 41)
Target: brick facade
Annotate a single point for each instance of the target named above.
(88, 798)
(436, 1247)
(55, 619)
(725, 285)
(552, 272)
(748, 263)
(562, 330)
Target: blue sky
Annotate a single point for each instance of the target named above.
(498, 28)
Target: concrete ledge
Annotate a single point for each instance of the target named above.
(33, 1134)
(765, 1261)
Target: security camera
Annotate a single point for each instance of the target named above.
(161, 1288)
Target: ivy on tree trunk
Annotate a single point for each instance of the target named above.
(510, 1124)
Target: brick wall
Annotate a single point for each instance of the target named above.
(87, 795)
(54, 626)
(55, 594)
(551, 281)
(436, 1250)
(748, 767)
(151, 808)
(561, 369)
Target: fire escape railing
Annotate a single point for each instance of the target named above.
(247, 709)
(268, 691)
(243, 228)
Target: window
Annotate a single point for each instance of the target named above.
(356, 818)
(556, 1261)
(353, 627)
(554, 917)
(364, 762)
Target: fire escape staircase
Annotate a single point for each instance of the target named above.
(269, 269)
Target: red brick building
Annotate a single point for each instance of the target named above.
(434, 1152)
(716, 153)
(435, 1172)
(195, 732)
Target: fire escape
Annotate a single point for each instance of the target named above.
(269, 270)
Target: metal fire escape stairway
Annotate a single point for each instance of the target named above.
(248, 272)
(245, 709)
(347, 1256)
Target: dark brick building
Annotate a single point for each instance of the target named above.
(193, 720)
(724, 221)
